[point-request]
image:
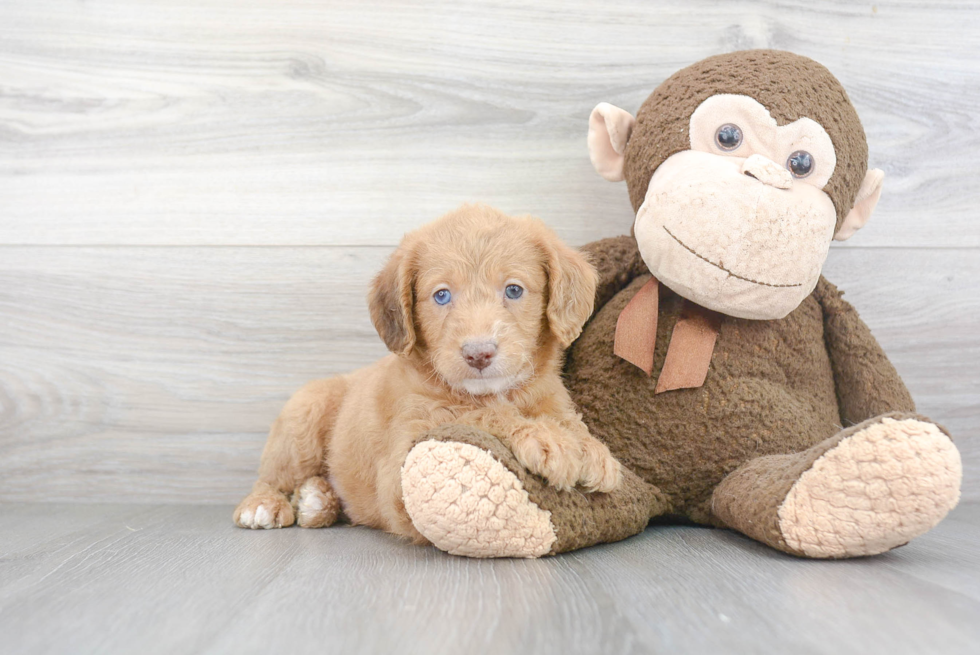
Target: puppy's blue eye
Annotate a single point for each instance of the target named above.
(442, 296)
(514, 291)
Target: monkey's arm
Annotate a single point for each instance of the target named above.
(618, 261)
(867, 383)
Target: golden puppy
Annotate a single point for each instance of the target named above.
(476, 308)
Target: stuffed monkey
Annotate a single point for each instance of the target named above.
(727, 375)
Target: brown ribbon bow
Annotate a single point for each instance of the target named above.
(691, 342)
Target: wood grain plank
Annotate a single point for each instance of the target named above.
(152, 374)
(296, 123)
(153, 370)
(166, 579)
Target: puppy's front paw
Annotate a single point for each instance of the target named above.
(546, 450)
(264, 510)
(600, 470)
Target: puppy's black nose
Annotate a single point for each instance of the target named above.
(479, 354)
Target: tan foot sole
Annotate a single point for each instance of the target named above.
(467, 503)
(877, 489)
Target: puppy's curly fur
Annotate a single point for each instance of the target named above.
(464, 351)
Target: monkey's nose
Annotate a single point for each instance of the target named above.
(767, 171)
(479, 354)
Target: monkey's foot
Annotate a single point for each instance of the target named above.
(876, 489)
(466, 502)
(466, 492)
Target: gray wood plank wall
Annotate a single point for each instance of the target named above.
(194, 196)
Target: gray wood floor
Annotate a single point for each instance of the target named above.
(181, 579)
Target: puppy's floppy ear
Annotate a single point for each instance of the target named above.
(391, 300)
(571, 288)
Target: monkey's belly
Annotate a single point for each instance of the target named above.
(769, 390)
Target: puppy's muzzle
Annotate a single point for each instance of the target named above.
(479, 354)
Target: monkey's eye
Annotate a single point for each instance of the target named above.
(728, 136)
(514, 291)
(442, 296)
(800, 163)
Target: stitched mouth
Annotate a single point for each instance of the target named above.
(719, 266)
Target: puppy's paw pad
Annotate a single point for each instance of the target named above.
(316, 504)
(264, 512)
(472, 505)
(875, 490)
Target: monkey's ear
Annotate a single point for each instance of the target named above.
(864, 204)
(609, 130)
(391, 301)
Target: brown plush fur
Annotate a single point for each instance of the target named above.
(771, 389)
(357, 429)
(788, 85)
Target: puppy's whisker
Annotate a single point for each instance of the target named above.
(528, 360)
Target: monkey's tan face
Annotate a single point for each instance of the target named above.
(739, 223)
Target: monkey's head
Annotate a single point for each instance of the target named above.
(741, 169)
